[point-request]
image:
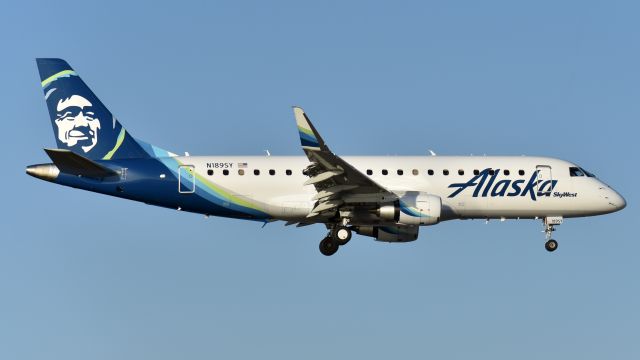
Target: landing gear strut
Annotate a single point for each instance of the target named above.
(549, 227)
(338, 235)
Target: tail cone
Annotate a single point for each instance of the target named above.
(48, 172)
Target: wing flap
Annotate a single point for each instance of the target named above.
(327, 205)
(333, 191)
(323, 176)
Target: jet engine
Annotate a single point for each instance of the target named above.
(412, 209)
(389, 233)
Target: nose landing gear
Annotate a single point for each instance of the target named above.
(549, 227)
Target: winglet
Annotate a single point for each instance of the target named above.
(309, 137)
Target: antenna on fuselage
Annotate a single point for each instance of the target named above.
(267, 151)
(431, 152)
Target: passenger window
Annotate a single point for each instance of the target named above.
(240, 172)
(574, 171)
(225, 172)
(369, 172)
(384, 172)
(414, 171)
(430, 172)
(507, 172)
(256, 172)
(492, 172)
(209, 172)
(288, 172)
(445, 172)
(272, 172)
(400, 172)
(521, 172)
(460, 172)
(476, 172)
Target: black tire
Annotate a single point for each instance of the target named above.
(551, 245)
(328, 247)
(337, 235)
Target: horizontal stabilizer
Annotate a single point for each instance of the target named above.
(71, 163)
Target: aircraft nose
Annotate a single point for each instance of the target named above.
(616, 200)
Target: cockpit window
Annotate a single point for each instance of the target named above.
(576, 171)
(587, 173)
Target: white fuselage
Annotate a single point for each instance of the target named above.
(498, 194)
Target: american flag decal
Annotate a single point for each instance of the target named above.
(242, 165)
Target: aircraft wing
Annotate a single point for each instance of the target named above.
(336, 181)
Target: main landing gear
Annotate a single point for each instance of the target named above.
(549, 227)
(338, 236)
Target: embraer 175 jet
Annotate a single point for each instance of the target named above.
(386, 198)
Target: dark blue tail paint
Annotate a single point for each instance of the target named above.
(81, 122)
(119, 164)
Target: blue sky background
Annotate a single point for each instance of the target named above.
(85, 276)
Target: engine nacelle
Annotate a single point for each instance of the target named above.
(412, 209)
(389, 233)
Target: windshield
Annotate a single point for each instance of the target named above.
(577, 171)
(588, 173)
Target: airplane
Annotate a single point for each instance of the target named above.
(386, 198)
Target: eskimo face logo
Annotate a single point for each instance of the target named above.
(77, 123)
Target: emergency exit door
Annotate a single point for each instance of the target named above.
(186, 179)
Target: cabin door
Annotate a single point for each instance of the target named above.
(545, 180)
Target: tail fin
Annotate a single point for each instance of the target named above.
(81, 123)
